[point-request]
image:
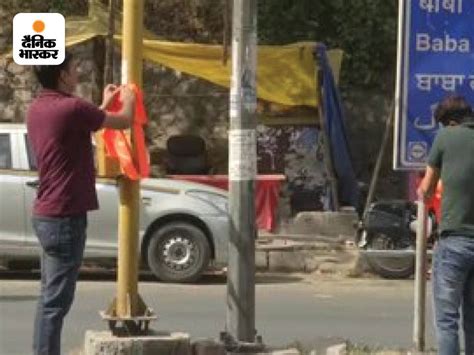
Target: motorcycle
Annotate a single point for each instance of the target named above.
(391, 225)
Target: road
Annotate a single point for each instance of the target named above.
(289, 307)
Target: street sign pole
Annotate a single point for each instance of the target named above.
(128, 307)
(240, 322)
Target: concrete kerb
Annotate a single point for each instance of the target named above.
(307, 257)
(325, 223)
(163, 343)
(320, 242)
(207, 347)
(339, 349)
(214, 347)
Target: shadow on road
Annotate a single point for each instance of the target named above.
(17, 298)
(263, 278)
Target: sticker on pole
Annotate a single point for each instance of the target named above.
(242, 154)
(39, 38)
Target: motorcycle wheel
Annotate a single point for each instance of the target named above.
(389, 268)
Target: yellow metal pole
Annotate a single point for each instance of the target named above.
(127, 304)
(128, 307)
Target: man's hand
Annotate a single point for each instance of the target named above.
(428, 184)
(127, 95)
(422, 194)
(109, 93)
(124, 118)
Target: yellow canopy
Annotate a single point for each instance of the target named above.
(285, 74)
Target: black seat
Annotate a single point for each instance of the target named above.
(186, 155)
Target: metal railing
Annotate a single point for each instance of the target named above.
(420, 280)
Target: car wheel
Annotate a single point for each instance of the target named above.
(178, 252)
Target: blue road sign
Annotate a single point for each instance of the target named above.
(435, 59)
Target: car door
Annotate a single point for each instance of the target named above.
(102, 224)
(12, 207)
(30, 186)
(102, 228)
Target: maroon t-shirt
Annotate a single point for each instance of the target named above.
(59, 130)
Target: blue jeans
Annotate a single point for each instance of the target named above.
(62, 240)
(453, 289)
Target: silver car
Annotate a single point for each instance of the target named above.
(183, 226)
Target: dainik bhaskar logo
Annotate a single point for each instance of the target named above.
(38, 38)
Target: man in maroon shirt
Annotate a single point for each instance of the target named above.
(59, 128)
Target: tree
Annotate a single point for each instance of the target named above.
(365, 29)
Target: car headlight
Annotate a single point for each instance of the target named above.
(220, 202)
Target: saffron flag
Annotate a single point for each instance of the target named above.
(117, 144)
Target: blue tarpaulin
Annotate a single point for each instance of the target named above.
(348, 189)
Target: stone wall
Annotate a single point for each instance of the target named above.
(178, 103)
(15, 81)
(18, 84)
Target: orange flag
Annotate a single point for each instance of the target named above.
(117, 144)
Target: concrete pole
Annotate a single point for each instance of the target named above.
(127, 304)
(240, 320)
(420, 280)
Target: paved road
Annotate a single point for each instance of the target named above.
(373, 312)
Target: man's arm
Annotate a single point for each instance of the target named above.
(428, 184)
(124, 118)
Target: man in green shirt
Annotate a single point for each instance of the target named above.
(451, 159)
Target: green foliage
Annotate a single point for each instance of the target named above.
(365, 29)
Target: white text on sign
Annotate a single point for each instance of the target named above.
(427, 43)
(453, 6)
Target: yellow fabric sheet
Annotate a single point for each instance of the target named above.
(285, 74)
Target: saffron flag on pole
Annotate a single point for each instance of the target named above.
(134, 164)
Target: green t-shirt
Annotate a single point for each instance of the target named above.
(453, 154)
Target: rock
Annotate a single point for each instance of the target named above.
(16, 70)
(6, 93)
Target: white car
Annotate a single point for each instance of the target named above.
(184, 226)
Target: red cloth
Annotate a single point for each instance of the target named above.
(118, 146)
(434, 203)
(266, 194)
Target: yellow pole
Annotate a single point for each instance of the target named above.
(127, 303)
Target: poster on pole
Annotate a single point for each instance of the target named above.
(435, 59)
(242, 154)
